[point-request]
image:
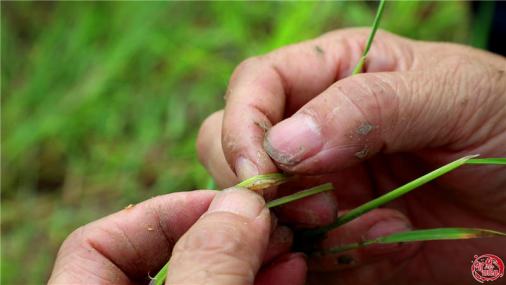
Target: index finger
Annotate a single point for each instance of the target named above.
(130, 244)
(264, 90)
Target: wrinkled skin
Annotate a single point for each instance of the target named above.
(206, 234)
(417, 106)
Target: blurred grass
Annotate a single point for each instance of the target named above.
(102, 101)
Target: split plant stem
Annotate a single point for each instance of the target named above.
(375, 26)
(261, 182)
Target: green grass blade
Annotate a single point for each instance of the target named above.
(420, 235)
(160, 277)
(375, 25)
(300, 194)
(440, 234)
(487, 161)
(265, 181)
(371, 205)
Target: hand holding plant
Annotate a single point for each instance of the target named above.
(422, 104)
(418, 106)
(211, 237)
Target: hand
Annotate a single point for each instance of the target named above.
(227, 245)
(416, 107)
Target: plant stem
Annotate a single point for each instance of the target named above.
(299, 195)
(160, 277)
(371, 205)
(375, 26)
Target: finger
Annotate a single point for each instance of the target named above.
(131, 243)
(288, 269)
(390, 112)
(280, 242)
(264, 90)
(315, 210)
(376, 273)
(210, 152)
(227, 245)
(312, 211)
(375, 224)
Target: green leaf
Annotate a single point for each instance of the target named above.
(487, 161)
(300, 194)
(420, 235)
(371, 205)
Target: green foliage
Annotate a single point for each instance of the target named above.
(419, 235)
(101, 101)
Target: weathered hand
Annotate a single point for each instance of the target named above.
(417, 106)
(227, 245)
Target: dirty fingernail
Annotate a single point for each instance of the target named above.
(245, 168)
(242, 202)
(293, 140)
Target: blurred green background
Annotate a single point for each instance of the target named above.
(102, 101)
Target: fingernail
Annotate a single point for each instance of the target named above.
(245, 168)
(293, 140)
(288, 257)
(242, 202)
(388, 227)
(315, 210)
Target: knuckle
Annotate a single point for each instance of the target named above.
(369, 93)
(212, 238)
(244, 66)
(74, 240)
(206, 133)
(222, 248)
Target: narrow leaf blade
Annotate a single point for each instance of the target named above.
(300, 194)
(419, 235)
(440, 234)
(371, 205)
(501, 161)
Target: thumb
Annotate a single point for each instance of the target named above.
(362, 115)
(227, 244)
